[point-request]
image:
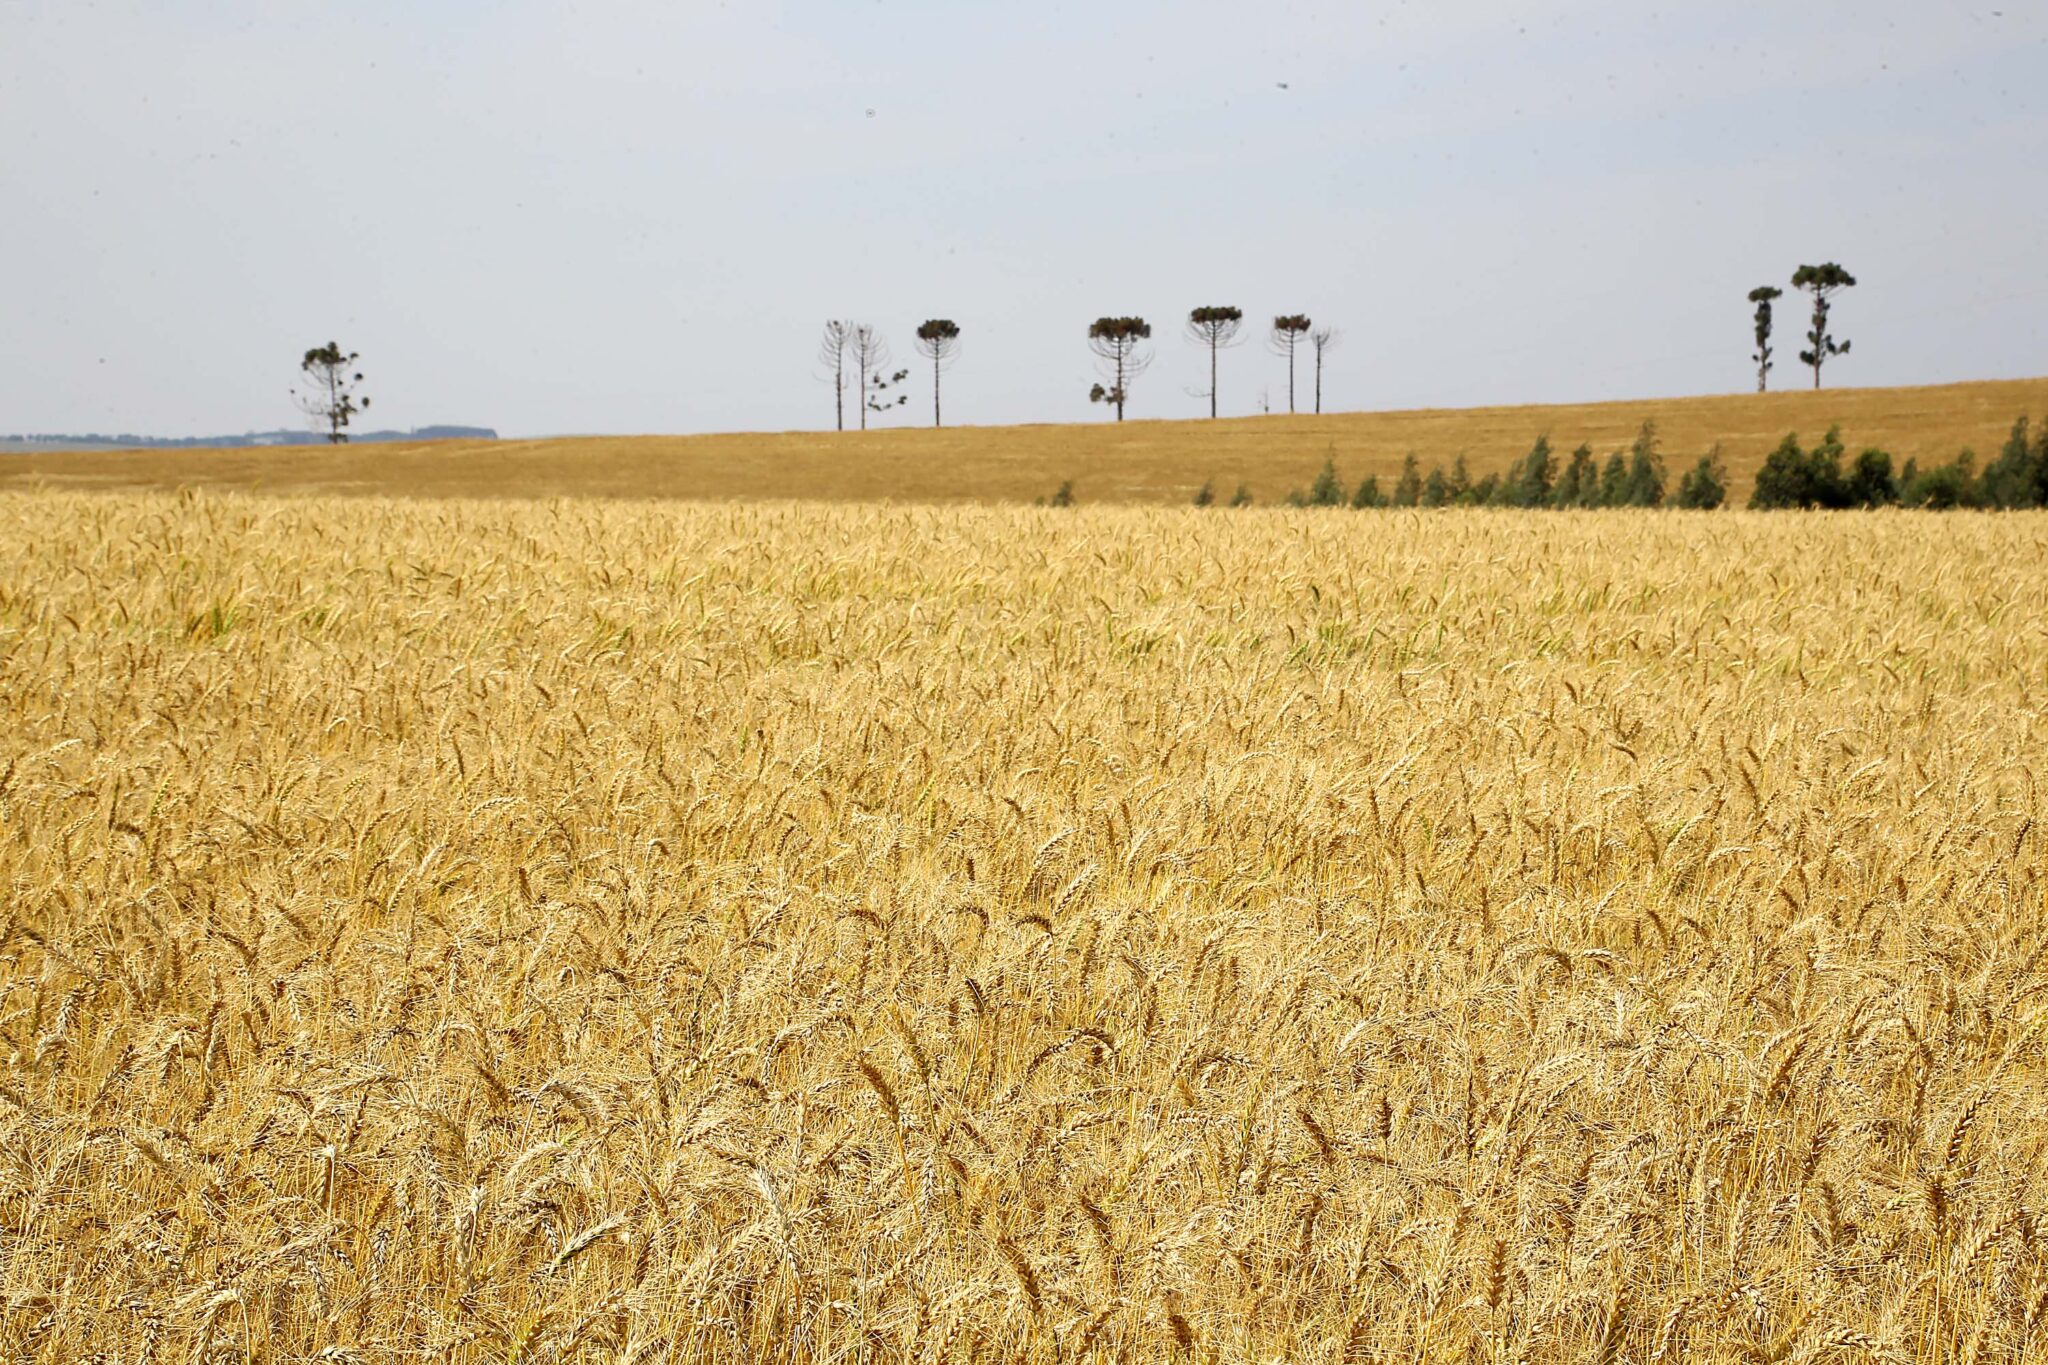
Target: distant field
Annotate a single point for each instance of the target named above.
(1136, 462)
(587, 932)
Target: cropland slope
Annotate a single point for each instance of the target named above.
(1134, 462)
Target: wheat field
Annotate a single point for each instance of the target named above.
(1123, 463)
(592, 931)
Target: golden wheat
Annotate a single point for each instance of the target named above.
(599, 932)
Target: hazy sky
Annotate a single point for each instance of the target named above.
(630, 216)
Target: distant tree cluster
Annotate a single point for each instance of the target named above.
(281, 436)
(1823, 282)
(1216, 327)
(856, 354)
(1538, 480)
(1120, 344)
(1818, 478)
(1791, 477)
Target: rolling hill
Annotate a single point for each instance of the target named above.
(1132, 462)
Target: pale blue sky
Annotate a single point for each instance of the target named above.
(634, 216)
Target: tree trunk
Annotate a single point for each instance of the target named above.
(935, 389)
(1290, 380)
(1212, 379)
(1820, 334)
(1319, 381)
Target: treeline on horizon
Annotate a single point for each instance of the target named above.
(282, 436)
(1791, 477)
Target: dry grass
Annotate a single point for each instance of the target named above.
(1136, 462)
(597, 932)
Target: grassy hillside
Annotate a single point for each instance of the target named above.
(1136, 462)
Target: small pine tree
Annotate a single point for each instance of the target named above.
(1206, 494)
(1485, 493)
(1530, 480)
(1645, 469)
(1461, 480)
(1829, 484)
(1705, 485)
(2014, 478)
(1614, 481)
(1571, 484)
(2041, 466)
(1945, 486)
(1326, 491)
(1590, 491)
(1968, 491)
(1063, 496)
(1368, 494)
(1783, 480)
(1408, 491)
(1792, 477)
(1870, 482)
(1436, 489)
(1242, 497)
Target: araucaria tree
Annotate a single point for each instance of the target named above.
(1287, 334)
(1321, 340)
(832, 354)
(1215, 326)
(330, 396)
(938, 341)
(870, 353)
(1821, 281)
(1762, 296)
(1119, 342)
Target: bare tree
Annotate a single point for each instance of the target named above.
(1322, 339)
(938, 341)
(870, 353)
(1118, 341)
(1216, 327)
(329, 397)
(832, 354)
(1287, 333)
